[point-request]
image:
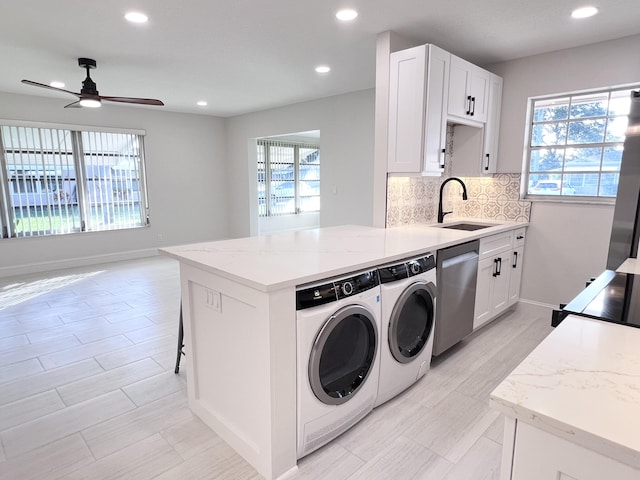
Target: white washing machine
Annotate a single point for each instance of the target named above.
(408, 290)
(338, 361)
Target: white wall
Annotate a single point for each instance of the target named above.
(346, 124)
(185, 160)
(567, 243)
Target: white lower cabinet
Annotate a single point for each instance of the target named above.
(499, 275)
(538, 455)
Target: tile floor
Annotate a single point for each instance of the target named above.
(87, 391)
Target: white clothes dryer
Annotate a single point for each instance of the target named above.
(338, 325)
(408, 291)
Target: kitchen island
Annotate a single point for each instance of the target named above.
(238, 300)
(572, 406)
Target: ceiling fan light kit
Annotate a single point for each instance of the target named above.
(89, 96)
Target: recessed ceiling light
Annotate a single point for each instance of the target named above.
(584, 12)
(136, 17)
(322, 69)
(57, 84)
(346, 14)
(202, 103)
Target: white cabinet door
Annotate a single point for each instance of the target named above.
(435, 129)
(539, 455)
(406, 109)
(515, 277)
(418, 89)
(468, 92)
(492, 126)
(483, 311)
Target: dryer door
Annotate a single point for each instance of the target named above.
(343, 354)
(411, 321)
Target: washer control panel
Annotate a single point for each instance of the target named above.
(307, 297)
(407, 268)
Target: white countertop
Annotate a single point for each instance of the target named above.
(271, 262)
(582, 383)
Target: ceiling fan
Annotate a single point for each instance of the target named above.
(88, 96)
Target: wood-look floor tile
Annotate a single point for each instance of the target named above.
(481, 463)
(219, 462)
(65, 329)
(107, 381)
(32, 383)
(495, 431)
(28, 409)
(110, 330)
(18, 370)
(61, 311)
(51, 462)
(136, 352)
(402, 458)
(83, 351)
(15, 341)
(124, 430)
(155, 331)
(155, 387)
(145, 460)
(38, 350)
(331, 461)
(34, 434)
(14, 327)
(190, 437)
(447, 429)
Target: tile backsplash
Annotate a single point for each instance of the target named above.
(415, 199)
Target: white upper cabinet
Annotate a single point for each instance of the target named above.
(492, 126)
(475, 150)
(468, 92)
(418, 92)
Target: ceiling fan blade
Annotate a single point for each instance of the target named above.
(74, 105)
(36, 84)
(140, 101)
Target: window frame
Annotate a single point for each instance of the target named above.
(80, 161)
(527, 171)
(265, 144)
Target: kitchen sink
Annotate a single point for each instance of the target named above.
(467, 226)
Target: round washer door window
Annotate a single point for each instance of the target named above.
(343, 355)
(411, 321)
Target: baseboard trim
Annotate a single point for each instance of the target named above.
(30, 268)
(537, 308)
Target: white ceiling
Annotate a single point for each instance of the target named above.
(248, 55)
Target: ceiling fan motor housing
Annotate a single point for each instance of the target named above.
(88, 85)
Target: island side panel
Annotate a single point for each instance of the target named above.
(241, 366)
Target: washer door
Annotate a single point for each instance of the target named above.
(411, 321)
(343, 354)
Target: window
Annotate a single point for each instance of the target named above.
(576, 143)
(288, 177)
(57, 180)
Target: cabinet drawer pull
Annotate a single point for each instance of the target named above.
(469, 105)
(515, 260)
(519, 237)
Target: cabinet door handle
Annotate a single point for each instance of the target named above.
(515, 259)
(487, 165)
(519, 237)
(469, 105)
(473, 108)
(444, 151)
(499, 266)
(495, 268)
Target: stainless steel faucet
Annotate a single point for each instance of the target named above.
(441, 214)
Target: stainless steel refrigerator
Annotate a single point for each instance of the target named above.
(625, 230)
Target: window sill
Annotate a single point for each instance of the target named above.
(570, 199)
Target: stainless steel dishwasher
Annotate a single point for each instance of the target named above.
(456, 276)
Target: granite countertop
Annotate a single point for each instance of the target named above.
(582, 383)
(272, 262)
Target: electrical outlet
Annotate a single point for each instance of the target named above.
(160, 238)
(214, 300)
